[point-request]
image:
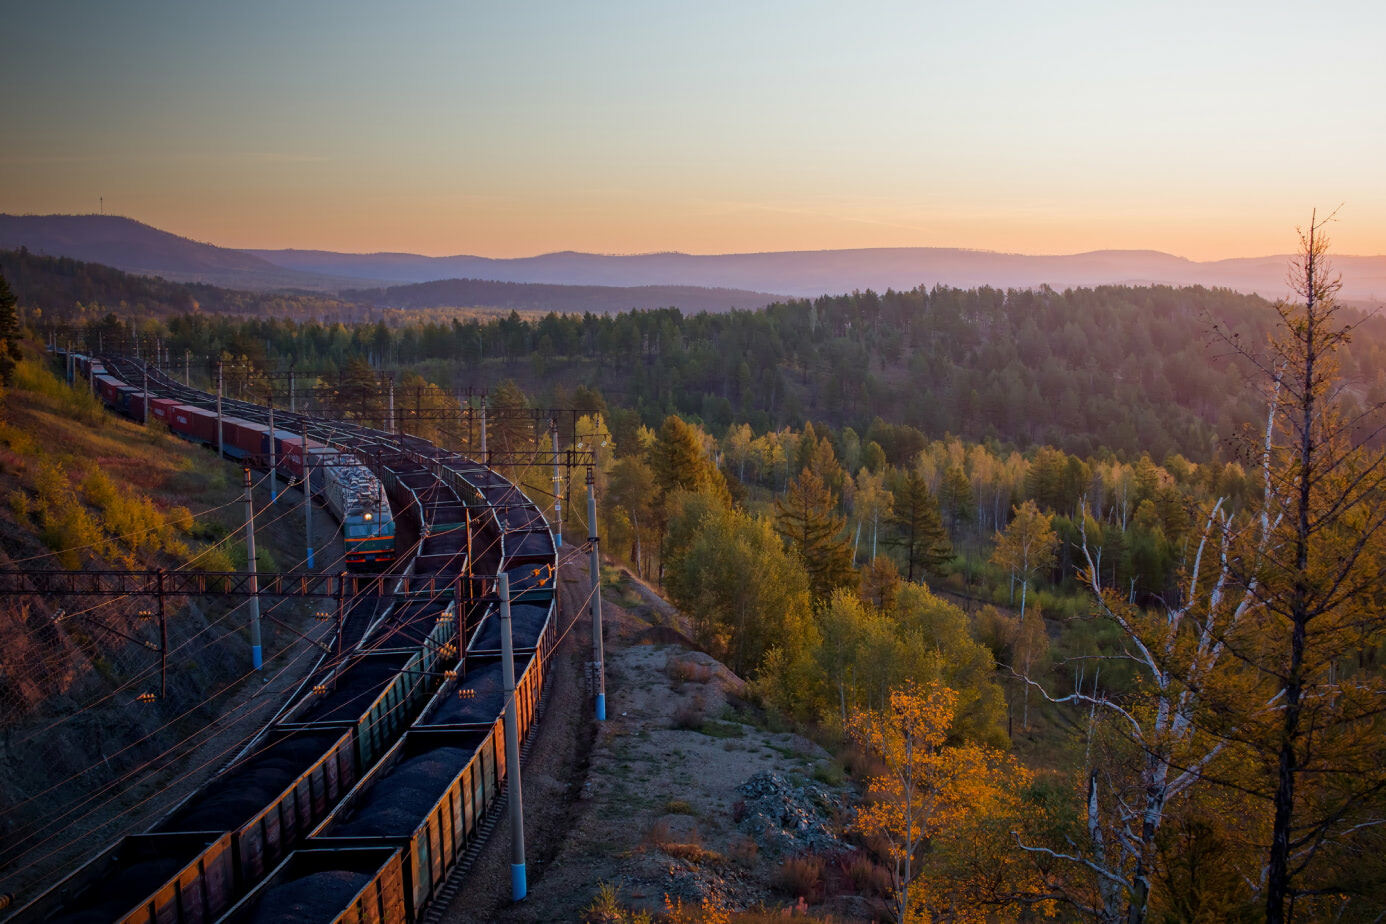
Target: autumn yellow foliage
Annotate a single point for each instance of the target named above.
(932, 794)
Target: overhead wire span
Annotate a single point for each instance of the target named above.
(148, 671)
(328, 664)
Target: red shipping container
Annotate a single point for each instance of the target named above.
(243, 435)
(108, 388)
(292, 451)
(161, 409)
(195, 423)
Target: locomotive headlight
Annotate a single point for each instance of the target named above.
(368, 516)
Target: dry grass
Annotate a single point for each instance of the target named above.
(681, 671)
(686, 846)
(869, 877)
(801, 876)
(690, 716)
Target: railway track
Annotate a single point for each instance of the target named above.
(359, 799)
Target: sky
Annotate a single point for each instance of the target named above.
(1204, 129)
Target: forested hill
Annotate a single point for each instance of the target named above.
(1125, 368)
(561, 298)
(62, 288)
(58, 285)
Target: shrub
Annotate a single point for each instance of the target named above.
(800, 876)
(605, 907)
(181, 519)
(708, 911)
(869, 877)
(69, 531)
(681, 671)
(691, 715)
(19, 505)
(694, 854)
(830, 773)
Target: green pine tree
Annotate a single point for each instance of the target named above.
(9, 332)
(921, 532)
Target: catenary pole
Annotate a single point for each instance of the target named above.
(518, 885)
(221, 446)
(252, 583)
(307, 499)
(274, 489)
(557, 488)
(595, 569)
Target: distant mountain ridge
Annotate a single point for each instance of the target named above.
(812, 273)
(138, 248)
(134, 247)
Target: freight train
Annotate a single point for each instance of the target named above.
(350, 490)
(358, 800)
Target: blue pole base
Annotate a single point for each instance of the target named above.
(310, 558)
(601, 707)
(558, 540)
(255, 656)
(518, 886)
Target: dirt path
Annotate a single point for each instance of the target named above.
(650, 801)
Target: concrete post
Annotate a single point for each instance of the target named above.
(595, 570)
(391, 426)
(557, 489)
(518, 885)
(253, 583)
(307, 499)
(221, 445)
(273, 462)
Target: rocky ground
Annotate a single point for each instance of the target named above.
(684, 792)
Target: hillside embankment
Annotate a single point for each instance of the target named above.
(89, 748)
(686, 796)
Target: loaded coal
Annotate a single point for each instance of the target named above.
(246, 789)
(483, 696)
(115, 894)
(400, 800)
(448, 564)
(314, 897)
(529, 544)
(527, 620)
(409, 625)
(354, 690)
(447, 542)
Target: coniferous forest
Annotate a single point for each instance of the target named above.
(1046, 531)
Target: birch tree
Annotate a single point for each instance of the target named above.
(1181, 652)
(871, 500)
(927, 786)
(1026, 547)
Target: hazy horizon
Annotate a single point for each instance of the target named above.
(622, 128)
(1337, 252)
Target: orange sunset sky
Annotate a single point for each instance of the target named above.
(1205, 130)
